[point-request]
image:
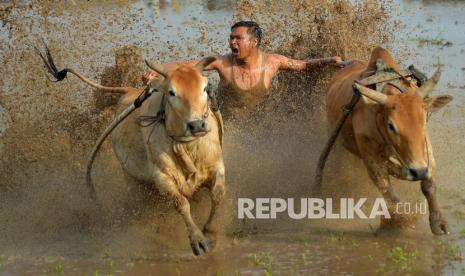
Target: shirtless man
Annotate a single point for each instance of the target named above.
(246, 73)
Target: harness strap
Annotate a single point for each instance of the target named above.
(401, 89)
(219, 120)
(347, 109)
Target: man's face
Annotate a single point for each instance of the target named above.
(241, 42)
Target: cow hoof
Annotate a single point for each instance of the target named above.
(211, 236)
(439, 226)
(198, 242)
(197, 245)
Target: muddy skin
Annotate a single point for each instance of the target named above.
(437, 223)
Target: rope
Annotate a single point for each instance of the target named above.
(99, 143)
(145, 94)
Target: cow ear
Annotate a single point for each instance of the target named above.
(157, 68)
(435, 103)
(156, 82)
(204, 63)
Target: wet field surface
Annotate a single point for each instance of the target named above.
(427, 34)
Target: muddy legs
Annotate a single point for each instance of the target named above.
(216, 193)
(380, 178)
(437, 223)
(196, 237)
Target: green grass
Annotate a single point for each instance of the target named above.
(109, 264)
(451, 250)
(59, 268)
(455, 252)
(436, 41)
(304, 257)
(338, 237)
(401, 258)
(263, 260)
(342, 239)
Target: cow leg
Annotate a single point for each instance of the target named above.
(217, 192)
(437, 223)
(167, 187)
(196, 237)
(380, 177)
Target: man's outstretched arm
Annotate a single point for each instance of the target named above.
(286, 63)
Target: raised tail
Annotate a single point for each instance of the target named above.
(61, 75)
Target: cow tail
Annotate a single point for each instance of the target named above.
(61, 75)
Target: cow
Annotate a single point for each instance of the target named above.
(172, 141)
(388, 130)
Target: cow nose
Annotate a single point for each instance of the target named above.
(196, 126)
(419, 174)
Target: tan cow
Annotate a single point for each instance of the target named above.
(180, 152)
(388, 130)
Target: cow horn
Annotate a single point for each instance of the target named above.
(426, 89)
(157, 67)
(204, 63)
(371, 94)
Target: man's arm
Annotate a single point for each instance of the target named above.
(285, 63)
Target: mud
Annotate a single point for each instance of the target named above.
(50, 226)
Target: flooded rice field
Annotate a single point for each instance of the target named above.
(49, 226)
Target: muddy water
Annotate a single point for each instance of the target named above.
(49, 227)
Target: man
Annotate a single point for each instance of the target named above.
(246, 73)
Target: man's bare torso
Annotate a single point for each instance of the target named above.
(244, 86)
(246, 77)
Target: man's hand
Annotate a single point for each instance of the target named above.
(148, 76)
(335, 60)
(343, 63)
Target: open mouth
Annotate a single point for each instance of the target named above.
(235, 51)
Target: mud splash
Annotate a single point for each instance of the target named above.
(48, 225)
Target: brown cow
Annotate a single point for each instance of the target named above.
(388, 130)
(179, 152)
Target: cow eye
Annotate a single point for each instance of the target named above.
(172, 94)
(391, 127)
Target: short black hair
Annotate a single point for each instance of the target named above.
(252, 29)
